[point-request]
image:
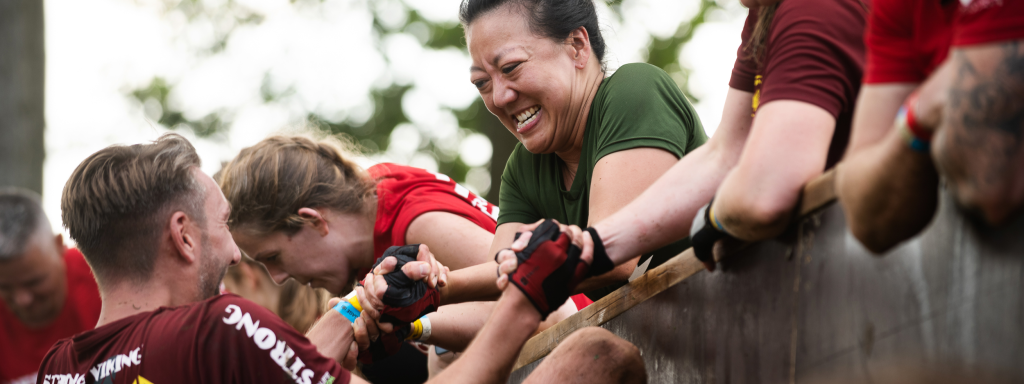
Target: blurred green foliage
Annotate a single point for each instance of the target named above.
(373, 135)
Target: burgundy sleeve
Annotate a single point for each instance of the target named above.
(744, 71)
(892, 56)
(246, 343)
(989, 21)
(815, 54)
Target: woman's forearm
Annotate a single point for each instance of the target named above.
(664, 212)
(475, 283)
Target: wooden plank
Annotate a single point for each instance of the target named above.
(651, 283)
(817, 194)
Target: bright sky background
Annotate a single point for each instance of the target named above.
(99, 50)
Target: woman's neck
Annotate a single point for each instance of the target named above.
(591, 78)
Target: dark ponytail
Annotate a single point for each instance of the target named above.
(554, 19)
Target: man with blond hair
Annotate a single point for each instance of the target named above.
(153, 227)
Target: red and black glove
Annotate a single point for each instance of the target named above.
(549, 268)
(387, 345)
(406, 300)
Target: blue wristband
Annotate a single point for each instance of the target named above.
(348, 310)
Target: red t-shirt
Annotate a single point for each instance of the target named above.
(907, 39)
(988, 21)
(225, 339)
(814, 54)
(22, 348)
(404, 193)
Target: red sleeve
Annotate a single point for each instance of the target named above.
(247, 343)
(404, 193)
(815, 54)
(443, 196)
(988, 21)
(744, 71)
(907, 39)
(889, 39)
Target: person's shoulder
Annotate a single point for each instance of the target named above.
(831, 13)
(219, 303)
(59, 356)
(228, 310)
(381, 171)
(636, 85)
(635, 75)
(220, 306)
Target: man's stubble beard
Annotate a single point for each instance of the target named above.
(211, 274)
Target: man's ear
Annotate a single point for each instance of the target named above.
(184, 242)
(58, 242)
(579, 44)
(314, 218)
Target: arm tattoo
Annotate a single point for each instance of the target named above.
(984, 120)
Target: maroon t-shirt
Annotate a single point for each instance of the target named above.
(814, 54)
(225, 339)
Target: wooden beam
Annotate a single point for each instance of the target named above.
(816, 194)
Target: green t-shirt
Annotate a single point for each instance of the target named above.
(638, 106)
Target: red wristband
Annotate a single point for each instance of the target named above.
(910, 106)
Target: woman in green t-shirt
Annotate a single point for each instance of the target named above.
(589, 143)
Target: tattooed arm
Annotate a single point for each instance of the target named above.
(978, 147)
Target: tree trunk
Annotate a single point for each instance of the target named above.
(22, 73)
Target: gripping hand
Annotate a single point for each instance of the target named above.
(549, 268)
(405, 300)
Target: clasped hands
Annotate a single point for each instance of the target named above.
(546, 262)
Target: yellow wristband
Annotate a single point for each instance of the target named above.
(420, 329)
(351, 298)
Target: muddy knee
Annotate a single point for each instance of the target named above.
(621, 358)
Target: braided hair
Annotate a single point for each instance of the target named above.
(269, 182)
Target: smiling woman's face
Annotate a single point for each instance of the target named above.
(530, 82)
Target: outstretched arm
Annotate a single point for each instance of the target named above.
(664, 211)
(888, 190)
(788, 146)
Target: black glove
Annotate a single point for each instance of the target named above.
(405, 300)
(602, 263)
(704, 235)
(549, 268)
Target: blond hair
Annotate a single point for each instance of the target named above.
(116, 203)
(269, 182)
